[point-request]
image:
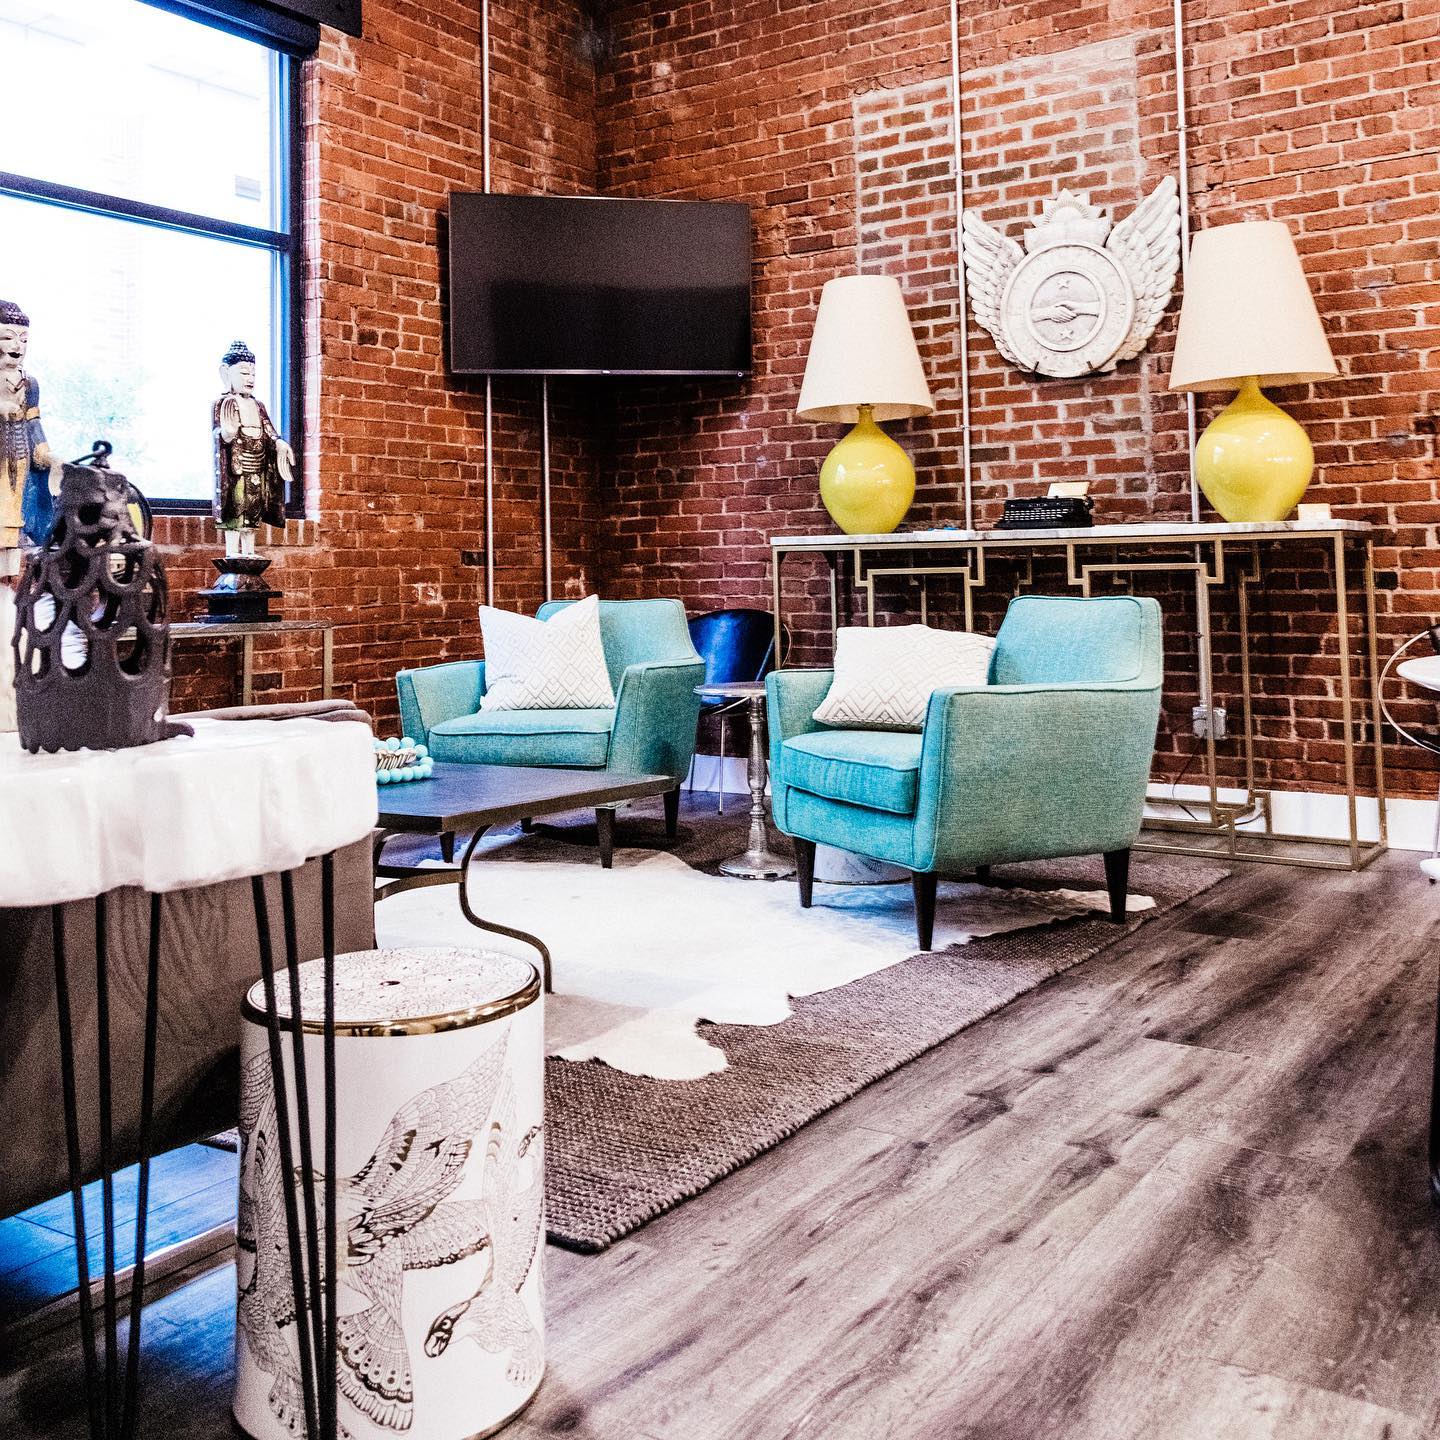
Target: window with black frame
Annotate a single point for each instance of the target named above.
(149, 216)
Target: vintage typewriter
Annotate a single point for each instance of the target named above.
(1066, 507)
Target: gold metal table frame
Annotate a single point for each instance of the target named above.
(1214, 555)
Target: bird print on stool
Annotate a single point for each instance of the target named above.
(494, 1317)
(397, 1215)
(266, 1304)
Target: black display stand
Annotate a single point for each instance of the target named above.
(241, 593)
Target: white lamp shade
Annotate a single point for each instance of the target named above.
(862, 352)
(1247, 311)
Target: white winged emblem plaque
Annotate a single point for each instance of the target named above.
(1080, 296)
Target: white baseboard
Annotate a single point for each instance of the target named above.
(733, 777)
(1311, 812)
(1295, 812)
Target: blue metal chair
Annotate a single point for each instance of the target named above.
(735, 645)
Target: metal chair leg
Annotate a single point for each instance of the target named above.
(720, 772)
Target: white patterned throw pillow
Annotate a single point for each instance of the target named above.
(884, 676)
(554, 664)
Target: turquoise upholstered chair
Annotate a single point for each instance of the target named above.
(651, 731)
(1050, 759)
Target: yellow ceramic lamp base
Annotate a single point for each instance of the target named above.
(1253, 462)
(867, 481)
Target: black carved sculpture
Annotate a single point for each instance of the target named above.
(241, 594)
(92, 644)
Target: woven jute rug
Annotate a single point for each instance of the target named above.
(624, 1148)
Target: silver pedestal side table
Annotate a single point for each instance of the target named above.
(759, 861)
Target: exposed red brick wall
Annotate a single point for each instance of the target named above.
(394, 448)
(833, 121)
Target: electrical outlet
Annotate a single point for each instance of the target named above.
(1204, 717)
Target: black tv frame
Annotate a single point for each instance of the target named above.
(727, 372)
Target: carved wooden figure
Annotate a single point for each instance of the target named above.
(29, 479)
(29, 473)
(253, 465)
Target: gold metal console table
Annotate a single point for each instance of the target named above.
(1214, 555)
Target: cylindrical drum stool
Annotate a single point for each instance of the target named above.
(439, 1083)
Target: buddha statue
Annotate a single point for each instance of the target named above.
(253, 465)
(29, 473)
(29, 481)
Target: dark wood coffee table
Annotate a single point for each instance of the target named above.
(461, 798)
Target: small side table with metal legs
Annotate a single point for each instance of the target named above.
(1423, 672)
(759, 861)
(108, 849)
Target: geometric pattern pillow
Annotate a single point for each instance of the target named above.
(554, 664)
(884, 675)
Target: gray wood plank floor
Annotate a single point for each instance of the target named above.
(1176, 1192)
(191, 1190)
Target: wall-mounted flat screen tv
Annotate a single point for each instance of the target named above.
(581, 285)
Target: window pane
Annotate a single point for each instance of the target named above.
(128, 100)
(127, 326)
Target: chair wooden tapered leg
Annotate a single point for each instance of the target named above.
(527, 827)
(605, 830)
(672, 812)
(1117, 879)
(982, 874)
(447, 847)
(805, 869)
(924, 885)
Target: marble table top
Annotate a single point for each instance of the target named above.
(1149, 530)
(238, 798)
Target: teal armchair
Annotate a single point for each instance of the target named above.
(654, 670)
(1050, 759)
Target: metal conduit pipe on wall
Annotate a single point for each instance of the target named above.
(957, 138)
(545, 483)
(1202, 641)
(489, 394)
(489, 384)
(1183, 164)
(962, 301)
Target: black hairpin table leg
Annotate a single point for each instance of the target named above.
(142, 1197)
(94, 1395)
(312, 1270)
(112, 1394)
